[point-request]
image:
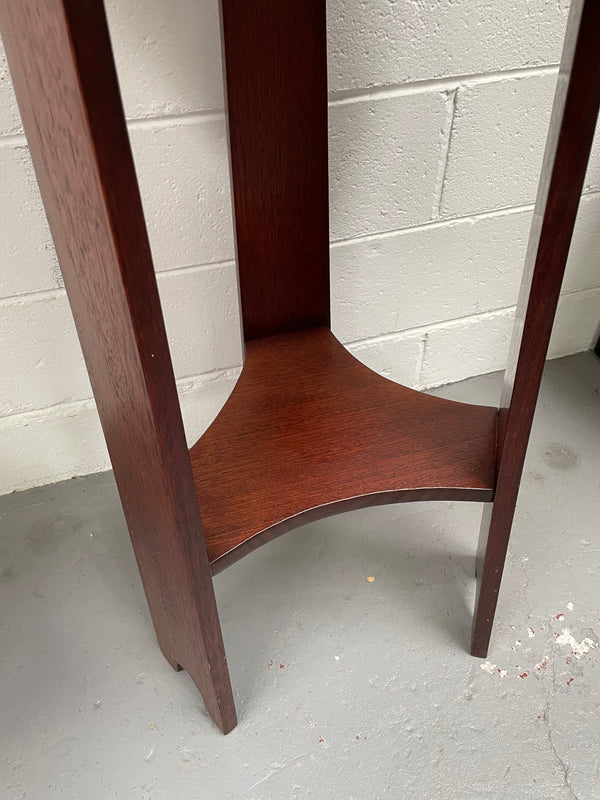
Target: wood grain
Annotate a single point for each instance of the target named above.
(568, 147)
(309, 431)
(62, 68)
(276, 75)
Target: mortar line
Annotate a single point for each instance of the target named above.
(434, 326)
(13, 140)
(438, 223)
(201, 379)
(423, 329)
(444, 222)
(187, 385)
(438, 195)
(186, 118)
(188, 268)
(39, 295)
(447, 84)
(420, 365)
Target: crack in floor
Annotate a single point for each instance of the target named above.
(564, 767)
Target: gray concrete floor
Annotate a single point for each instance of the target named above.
(345, 687)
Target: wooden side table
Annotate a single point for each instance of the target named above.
(308, 430)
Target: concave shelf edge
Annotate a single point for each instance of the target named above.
(256, 540)
(309, 431)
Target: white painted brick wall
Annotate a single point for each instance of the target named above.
(184, 181)
(497, 144)
(438, 115)
(387, 42)
(384, 156)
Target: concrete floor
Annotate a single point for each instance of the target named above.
(345, 687)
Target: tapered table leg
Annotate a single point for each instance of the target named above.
(61, 62)
(565, 161)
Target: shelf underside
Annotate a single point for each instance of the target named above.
(310, 431)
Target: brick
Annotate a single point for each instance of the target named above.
(577, 323)
(397, 358)
(183, 174)
(583, 266)
(201, 314)
(28, 262)
(462, 348)
(497, 145)
(54, 444)
(50, 446)
(168, 58)
(40, 362)
(478, 345)
(428, 275)
(384, 157)
(383, 42)
(167, 63)
(184, 182)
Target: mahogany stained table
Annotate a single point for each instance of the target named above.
(308, 430)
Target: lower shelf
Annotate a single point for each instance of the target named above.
(309, 431)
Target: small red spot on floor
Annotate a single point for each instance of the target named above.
(570, 681)
(321, 740)
(523, 675)
(281, 666)
(270, 664)
(567, 660)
